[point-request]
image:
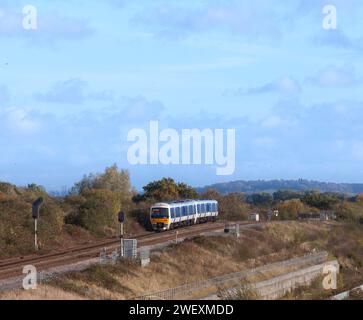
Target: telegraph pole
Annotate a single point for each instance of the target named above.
(35, 214)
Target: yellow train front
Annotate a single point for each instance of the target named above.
(166, 216)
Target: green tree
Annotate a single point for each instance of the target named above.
(211, 194)
(322, 201)
(166, 189)
(231, 206)
(186, 192)
(261, 199)
(283, 195)
(290, 209)
(98, 213)
(111, 179)
(36, 188)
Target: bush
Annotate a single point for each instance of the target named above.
(289, 210)
(99, 211)
(245, 292)
(322, 201)
(166, 189)
(231, 206)
(16, 223)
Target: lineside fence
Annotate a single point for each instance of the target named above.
(234, 278)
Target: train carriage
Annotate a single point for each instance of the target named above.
(170, 215)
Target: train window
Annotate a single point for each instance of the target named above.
(190, 210)
(172, 211)
(184, 210)
(177, 210)
(203, 208)
(159, 213)
(198, 207)
(194, 209)
(214, 207)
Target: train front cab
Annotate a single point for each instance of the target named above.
(160, 218)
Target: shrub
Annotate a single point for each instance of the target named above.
(245, 292)
(99, 211)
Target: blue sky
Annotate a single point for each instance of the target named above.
(72, 89)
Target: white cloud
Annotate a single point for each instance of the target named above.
(69, 91)
(20, 121)
(332, 76)
(257, 19)
(272, 122)
(288, 85)
(73, 91)
(285, 86)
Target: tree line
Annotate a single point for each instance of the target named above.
(97, 198)
(93, 204)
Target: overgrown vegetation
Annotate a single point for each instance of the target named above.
(92, 206)
(244, 292)
(165, 189)
(16, 223)
(96, 200)
(214, 256)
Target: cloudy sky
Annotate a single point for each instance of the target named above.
(71, 90)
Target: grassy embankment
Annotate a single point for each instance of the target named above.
(203, 258)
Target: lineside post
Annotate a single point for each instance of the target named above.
(35, 214)
(121, 220)
(36, 234)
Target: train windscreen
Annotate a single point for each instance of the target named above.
(157, 213)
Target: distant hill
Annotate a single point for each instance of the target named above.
(271, 186)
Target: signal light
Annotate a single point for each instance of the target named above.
(121, 217)
(36, 207)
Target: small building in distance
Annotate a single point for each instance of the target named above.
(254, 217)
(328, 215)
(321, 216)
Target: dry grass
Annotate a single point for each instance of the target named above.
(201, 258)
(204, 258)
(41, 293)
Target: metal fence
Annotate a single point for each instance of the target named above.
(233, 278)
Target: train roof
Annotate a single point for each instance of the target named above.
(184, 202)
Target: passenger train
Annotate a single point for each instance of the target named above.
(166, 216)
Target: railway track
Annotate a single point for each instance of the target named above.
(13, 267)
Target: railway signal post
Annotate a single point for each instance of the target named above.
(35, 214)
(121, 220)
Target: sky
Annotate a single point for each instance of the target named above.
(72, 89)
